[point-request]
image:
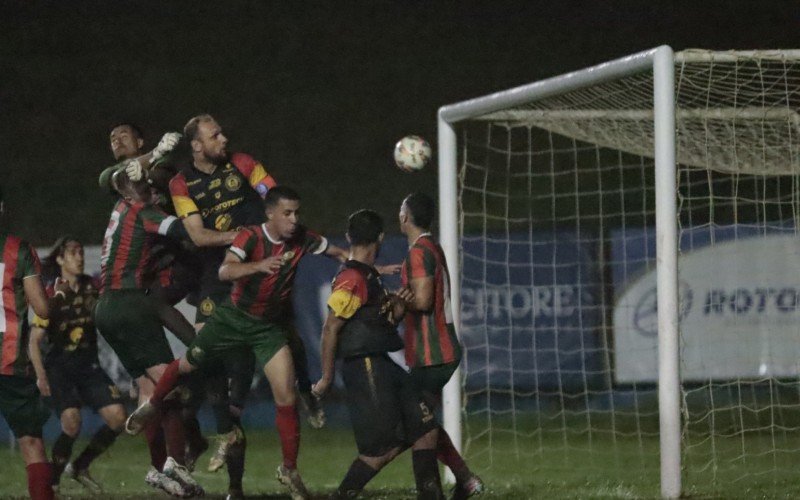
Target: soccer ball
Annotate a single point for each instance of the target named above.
(412, 153)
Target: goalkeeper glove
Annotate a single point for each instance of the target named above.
(165, 145)
(134, 170)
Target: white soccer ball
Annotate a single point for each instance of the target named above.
(412, 153)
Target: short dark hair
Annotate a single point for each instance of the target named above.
(278, 193)
(190, 129)
(137, 130)
(421, 208)
(364, 227)
(50, 268)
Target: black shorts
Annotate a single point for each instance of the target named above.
(386, 411)
(87, 385)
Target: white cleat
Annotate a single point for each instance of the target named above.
(160, 481)
(177, 472)
(291, 479)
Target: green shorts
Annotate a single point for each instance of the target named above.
(229, 329)
(129, 321)
(432, 379)
(22, 406)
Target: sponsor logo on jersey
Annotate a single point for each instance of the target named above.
(75, 336)
(217, 195)
(207, 307)
(215, 184)
(223, 222)
(233, 183)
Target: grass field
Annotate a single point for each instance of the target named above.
(538, 465)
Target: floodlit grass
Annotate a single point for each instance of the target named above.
(535, 465)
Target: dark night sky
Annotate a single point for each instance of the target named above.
(319, 91)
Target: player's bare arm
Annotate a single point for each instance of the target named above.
(422, 289)
(330, 335)
(337, 253)
(34, 293)
(233, 269)
(35, 353)
(203, 237)
(389, 269)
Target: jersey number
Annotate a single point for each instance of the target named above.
(108, 238)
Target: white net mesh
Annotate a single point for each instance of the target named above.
(558, 278)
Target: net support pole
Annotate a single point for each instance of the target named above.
(667, 272)
(448, 236)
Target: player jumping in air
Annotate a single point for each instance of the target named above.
(387, 413)
(20, 402)
(262, 262)
(432, 349)
(128, 318)
(218, 192)
(71, 372)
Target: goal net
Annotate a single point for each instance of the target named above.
(557, 243)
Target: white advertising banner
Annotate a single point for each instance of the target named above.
(739, 314)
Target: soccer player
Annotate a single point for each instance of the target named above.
(432, 350)
(262, 263)
(361, 330)
(20, 402)
(128, 318)
(222, 191)
(172, 276)
(71, 373)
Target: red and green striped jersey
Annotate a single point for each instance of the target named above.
(430, 337)
(127, 245)
(18, 261)
(264, 295)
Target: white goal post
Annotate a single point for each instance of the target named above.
(673, 128)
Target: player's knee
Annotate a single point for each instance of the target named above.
(32, 449)
(114, 415)
(71, 422)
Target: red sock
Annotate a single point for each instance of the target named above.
(40, 479)
(288, 423)
(154, 435)
(173, 432)
(447, 453)
(166, 383)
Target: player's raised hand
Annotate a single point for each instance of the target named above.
(166, 144)
(389, 269)
(270, 264)
(134, 170)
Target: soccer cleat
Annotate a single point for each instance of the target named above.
(140, 417)
(177, 472)
(291, 479)
(219, 458)
(83, 477)
(471, 487)
(313, 406)
(162, 482)
(193, 453)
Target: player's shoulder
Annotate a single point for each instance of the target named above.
(349, 277)
(244, 162)
(179, 179)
